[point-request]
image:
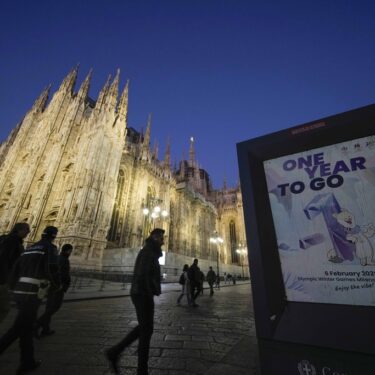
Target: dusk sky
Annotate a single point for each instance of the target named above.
(222, 71)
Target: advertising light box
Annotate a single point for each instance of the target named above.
(322, 203)
(309, 208)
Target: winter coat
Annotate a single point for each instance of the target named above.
(11, 248)
(146, 274)
(64, 267)
(38, 262)
(211, 276)
(194, 274)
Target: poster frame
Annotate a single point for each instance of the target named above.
(276, 318)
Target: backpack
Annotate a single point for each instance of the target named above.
(182, 279)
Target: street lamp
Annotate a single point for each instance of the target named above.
(242, 251)
(153, 212)
(216, 239)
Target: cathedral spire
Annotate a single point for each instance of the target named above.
(123, 103)
(145, 154)
(70, 80)
(84, 89)
(156, 150)
(167, 157)
(197, 178)
(191, 152)
(225, 184)
(103, 93)
(146, 141)
(41, 102)
(182, 166)
(113, 91)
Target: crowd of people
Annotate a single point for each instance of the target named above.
(42, 272)
(192, 279)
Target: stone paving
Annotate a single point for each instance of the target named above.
(216, 338)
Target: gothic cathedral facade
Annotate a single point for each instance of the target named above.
(74, 163)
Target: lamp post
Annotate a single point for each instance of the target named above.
(153, 212)
(216, 239)
(242, 251)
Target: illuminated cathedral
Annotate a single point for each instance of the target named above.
(75, 163)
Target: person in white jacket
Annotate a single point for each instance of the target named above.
(185, 286)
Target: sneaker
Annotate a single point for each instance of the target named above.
(195, 304)
(112, 358)
(23, 369)
(47, 333)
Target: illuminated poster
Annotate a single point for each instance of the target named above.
(323, 208)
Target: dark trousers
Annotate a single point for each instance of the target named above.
(195, 290)
(4, 301)
(144, 307)
(211, 284)
(22, 328)
(53, 304)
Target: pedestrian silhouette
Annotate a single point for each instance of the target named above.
(145, 285)
(34, 272)
(185, 286)
(201, 283)
(11, 248)
(55, 297)
(194, 275)
(211, 279)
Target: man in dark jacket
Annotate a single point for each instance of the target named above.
(55, 297)
(11, 248)
(211, 278)
(33, 273)
(194, 274)
(145, 285)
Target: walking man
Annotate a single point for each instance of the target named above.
(145, 285)
(11, 248)
(34, 272)
(55, 297)
(218, 281)
(211, 278)
(194, 274)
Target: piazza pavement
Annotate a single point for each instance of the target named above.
(216, 338)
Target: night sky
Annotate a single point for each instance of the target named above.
(222, 71)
